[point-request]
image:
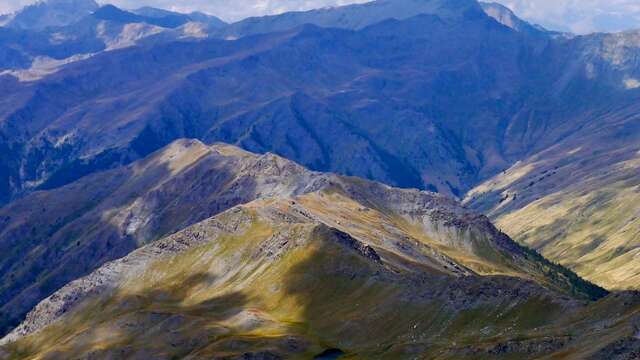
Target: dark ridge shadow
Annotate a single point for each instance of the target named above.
(345, 295)
(49, 240)
(153, 323)
(353, 306)
(54, 237)
(162, 323)
(329, 354)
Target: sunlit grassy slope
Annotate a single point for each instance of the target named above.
(578, 204)
(600, 233)
(294, 278)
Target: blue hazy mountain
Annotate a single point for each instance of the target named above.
(332, 111)
(355, 16)
(439, 100)
(382, 102)
(50, 13)
(180, 18)
(26, 42)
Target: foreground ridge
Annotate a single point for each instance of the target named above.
(315, 262)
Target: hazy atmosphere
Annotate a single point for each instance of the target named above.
(578, 16)
(342, 179)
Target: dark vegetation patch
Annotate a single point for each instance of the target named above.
(330, 354)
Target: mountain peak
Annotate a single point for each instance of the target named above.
(113, 13)
(506, 17)
(51, 13)
(195, 16)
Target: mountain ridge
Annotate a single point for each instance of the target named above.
(140, 203)
(30, 54)
(353, 17)
(376, 235)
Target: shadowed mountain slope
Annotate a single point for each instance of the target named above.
(266, 93)
(467, 96)
(151, 12)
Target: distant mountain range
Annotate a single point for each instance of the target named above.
(63, 31)
(60, 13)
(539, 130)
(38, 39)
(50, 13)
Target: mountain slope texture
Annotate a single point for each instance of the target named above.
(289, 186)
(428, 94)
(320, 263)
(73, 230)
